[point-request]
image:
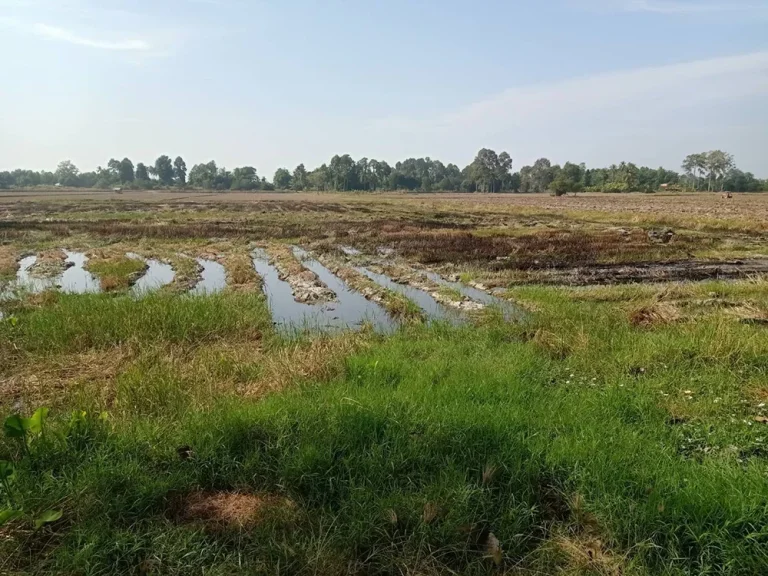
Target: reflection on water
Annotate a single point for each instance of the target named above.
(213, 278)
(431, 307)
(158, 274)
(76, 279)
(350, 310)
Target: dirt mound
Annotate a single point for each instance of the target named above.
(232, 509)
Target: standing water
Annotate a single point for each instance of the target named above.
(352, 308)
(158, 274)
(213, 278)
(76, 279)
(287, 312)
(431, 307)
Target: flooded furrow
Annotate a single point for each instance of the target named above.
(213, 278)
(76, 279)
(158, 274)
(346, 312)
(509, 310)
(351, 307)
(431, 307)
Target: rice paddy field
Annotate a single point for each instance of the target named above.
(364, 384)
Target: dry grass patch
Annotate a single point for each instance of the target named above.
(222, 510)
(317, 360)
(654, 314)
(80, 379)
(8, 263)
(241, 274)
(49, 263)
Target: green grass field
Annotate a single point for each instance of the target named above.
(614, 430)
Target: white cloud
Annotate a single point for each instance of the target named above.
(674, 7)
(63, 35)
(646, 114)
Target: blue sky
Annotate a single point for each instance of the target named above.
(275, 83)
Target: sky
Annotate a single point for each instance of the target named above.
(275, 83)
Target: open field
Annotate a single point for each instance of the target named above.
(510, 384)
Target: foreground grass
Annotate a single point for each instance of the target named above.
(574, 442)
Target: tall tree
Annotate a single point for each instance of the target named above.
(141, 172)
(282, 179)
(127, 173)
(164, 170)
(299, 178)
(718, 164)
(180, 171)
(67, 174)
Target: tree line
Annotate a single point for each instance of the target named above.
(488, 172)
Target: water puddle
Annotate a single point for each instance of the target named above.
(509, 310)
(351, 308)
(213, 278)
(350, 251)
(431, 307)
(158, 274)
(76, 279)
(348, 311)
(26, 281)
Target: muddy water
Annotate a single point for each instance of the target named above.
(509, 310)
(213, 278)
(158, 274)
(431, 307)
(286, 312)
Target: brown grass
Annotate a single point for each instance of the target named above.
(241, 274)
(8, 263)
(654, 314)
(222, 510)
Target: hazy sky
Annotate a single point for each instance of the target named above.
(276, 82)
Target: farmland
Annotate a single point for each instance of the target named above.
(383, 383)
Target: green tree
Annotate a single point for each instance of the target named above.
(180, 171)
(299, 178)
(142, 173)
(67, 174)
(245, 178)
(282, 179)
(718, 164)
(203, 175)
(163, 170)
(127, 173)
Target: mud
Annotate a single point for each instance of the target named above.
(648, 272)
(307, 288)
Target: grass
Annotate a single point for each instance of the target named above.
(116, 272)
(614, 430)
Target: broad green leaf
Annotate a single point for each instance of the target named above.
(47, 517)
(14, 426)
(8, 515)
(35, 424)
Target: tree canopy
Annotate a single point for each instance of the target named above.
(489, 172)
